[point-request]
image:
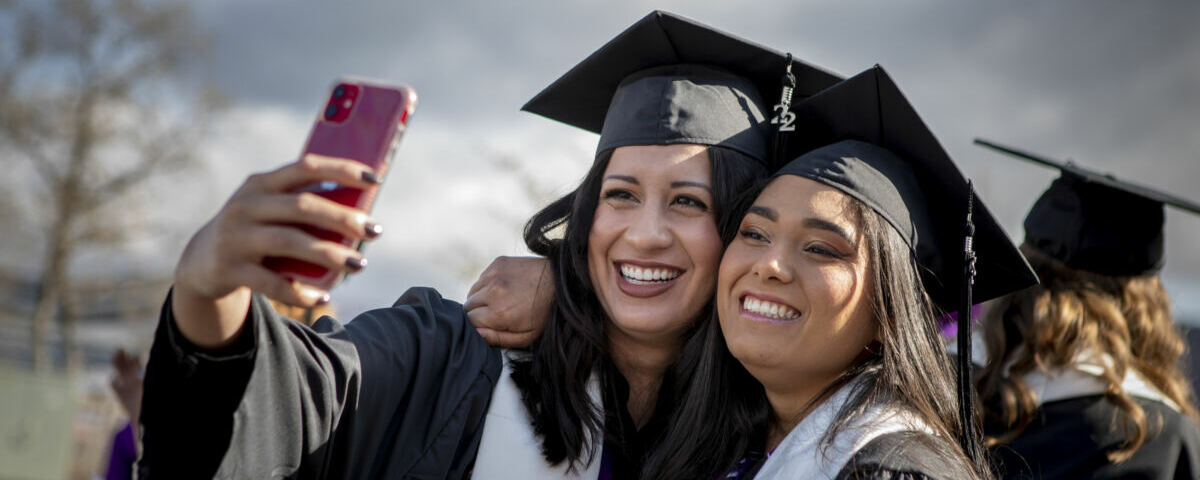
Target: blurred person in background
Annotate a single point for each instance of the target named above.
(126, 384)
(1084, 375)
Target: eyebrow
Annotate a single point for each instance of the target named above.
(691, 184)
(811, 222)
(765, 212)
(679, 184)
(832, 227)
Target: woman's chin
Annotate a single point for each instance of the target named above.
(644, 324)
(756, 352)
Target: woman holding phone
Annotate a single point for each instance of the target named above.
(408, 391)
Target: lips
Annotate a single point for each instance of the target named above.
(767, 309)
(646, 280)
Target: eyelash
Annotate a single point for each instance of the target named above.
(618, 194)
(690, 201)
(753, 234)
(824, 251)
(684, 200)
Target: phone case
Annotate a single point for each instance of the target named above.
(364, 121)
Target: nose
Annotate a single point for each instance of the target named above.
(649, 229)
(774, 264)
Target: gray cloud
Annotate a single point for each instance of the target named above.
(1109, 83)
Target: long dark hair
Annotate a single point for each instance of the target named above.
(554, 377)
(909, 369)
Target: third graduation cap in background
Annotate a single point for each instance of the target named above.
(1094, 222)
(667, 79)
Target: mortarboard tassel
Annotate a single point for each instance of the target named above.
(966, 404)
(784, 117)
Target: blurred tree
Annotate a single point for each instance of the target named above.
(93, 99)
(467, 259)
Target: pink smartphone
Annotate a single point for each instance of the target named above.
(362, 120)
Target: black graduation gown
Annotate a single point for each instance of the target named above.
(399, 392)
(1068, 439)
(891, 456)
(901, 456)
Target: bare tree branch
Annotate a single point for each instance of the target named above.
(94, 131)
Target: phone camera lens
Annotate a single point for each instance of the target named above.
(339, 92)
(331, 111)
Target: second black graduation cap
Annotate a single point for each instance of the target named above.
(1095, 222)
(668, 79)
(863, 137)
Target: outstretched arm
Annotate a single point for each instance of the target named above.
(235, 390)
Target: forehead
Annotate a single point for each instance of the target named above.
(690, 161)
(795, 198)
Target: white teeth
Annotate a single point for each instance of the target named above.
(642, 276)
(769, 309)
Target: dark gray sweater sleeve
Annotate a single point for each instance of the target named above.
(397, 392)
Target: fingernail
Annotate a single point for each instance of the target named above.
(356, 263)
(372, 229)
(324, 299)
(370, 177)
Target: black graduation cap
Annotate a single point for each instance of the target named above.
(1094, 222)
(668, 79)
(864, 138)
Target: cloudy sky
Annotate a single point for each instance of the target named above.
(1111, 84)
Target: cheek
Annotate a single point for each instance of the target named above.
(838, 285)
(851, 311)
(703, 244)
(600, 238)
(735, 264)
(705, 249)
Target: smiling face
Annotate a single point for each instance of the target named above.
(793, 294)
(653, 248)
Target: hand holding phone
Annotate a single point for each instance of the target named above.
(361, 121)
(291, 232)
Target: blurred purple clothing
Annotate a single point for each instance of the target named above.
(949, 322)
(124, 453)
(606, 470)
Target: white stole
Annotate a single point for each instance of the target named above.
(1080, 379)
(802, 453)
(1084, 380)
(510, 449)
